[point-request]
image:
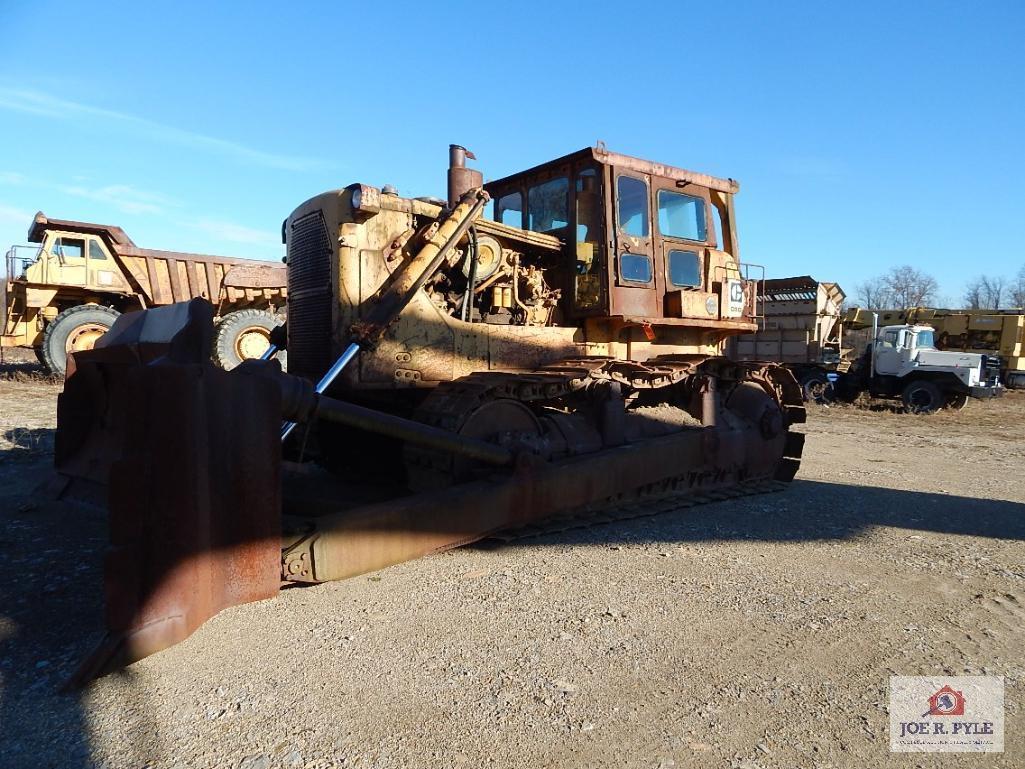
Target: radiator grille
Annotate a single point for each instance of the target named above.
(309, 297)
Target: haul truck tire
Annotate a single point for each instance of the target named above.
(242, 335)
(923, 397)
(77, 328)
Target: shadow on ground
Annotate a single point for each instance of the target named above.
(51, 581)
(23, 370)
(813, 510)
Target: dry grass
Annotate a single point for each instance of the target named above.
(1002, 418)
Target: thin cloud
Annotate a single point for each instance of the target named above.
(237, 233)
(123, 197)
(44, 105)
(11, 177)
(16, 216)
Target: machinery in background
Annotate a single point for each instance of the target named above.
(999, 333)
(902, 361)
(65, 295)
(804, 327)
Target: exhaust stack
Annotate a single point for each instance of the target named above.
(460, 178)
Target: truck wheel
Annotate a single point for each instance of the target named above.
(923, 397)
(76, 329)
(957, 401)
(817, 388)
(242, 335)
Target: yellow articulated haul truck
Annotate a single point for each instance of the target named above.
(999, 333)
(64, 294)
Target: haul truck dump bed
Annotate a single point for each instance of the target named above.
(83, 275)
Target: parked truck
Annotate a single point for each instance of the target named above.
(998, 333)
(64, 294)
(903, 361)
(802, 325)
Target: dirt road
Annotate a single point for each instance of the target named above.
(759, 632)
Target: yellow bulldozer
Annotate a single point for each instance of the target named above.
(62, 295)
(541, 351)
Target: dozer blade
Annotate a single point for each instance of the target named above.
(186, 459)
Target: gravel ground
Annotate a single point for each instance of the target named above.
(758, 632)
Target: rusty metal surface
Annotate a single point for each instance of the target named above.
(41, 223)
(186, 459)
(746, 440)
(256, 276)
(601, 155)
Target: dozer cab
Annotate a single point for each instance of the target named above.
(523, 351)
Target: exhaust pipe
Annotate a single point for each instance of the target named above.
(460, 178)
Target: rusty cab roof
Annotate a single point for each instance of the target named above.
(603, 156)
(117, 239)
(41, 223)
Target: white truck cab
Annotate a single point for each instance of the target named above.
(905, 361)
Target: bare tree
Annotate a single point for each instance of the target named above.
(985, 293)
(993, 292)
(910, 287)
(973, 295)
(874, 294)
(1016, 291)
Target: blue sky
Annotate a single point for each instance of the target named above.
(864, 135)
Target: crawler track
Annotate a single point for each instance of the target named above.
(667, 381)
(642, 505)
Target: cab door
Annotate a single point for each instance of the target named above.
(683, 233)
(887, 356)
(635, 280)
(69, 251)
(104, 273)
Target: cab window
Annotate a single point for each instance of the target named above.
(69, 248)
(590, 260)
(548, 205)
(684, 269)
(681, 216)
(888, 340)
(95, 252)
(635, 268)
(632, 206)
(509, 209)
